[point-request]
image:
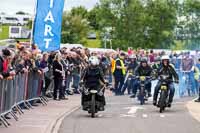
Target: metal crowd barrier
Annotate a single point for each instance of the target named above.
(187, 84)
(22, 90)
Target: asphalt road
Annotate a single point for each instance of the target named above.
(123, 115)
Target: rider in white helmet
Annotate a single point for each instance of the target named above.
(94, 61)
(92, 79)
(166, 69)
(131, 84)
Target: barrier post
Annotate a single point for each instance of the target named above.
(4, 122)
(26, 103)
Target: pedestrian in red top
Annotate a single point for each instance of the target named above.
(4, 64)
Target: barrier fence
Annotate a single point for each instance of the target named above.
(19, 92)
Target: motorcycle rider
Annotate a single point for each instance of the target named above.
(92, 78)
(166, 69)
(130, 84)
(144, 70)
(157, 64)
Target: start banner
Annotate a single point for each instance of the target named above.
(47, 24)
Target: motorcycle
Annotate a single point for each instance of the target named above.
(164, 92)
(93, 105)
(142, 94)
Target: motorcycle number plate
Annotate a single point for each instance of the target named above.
(163, 87)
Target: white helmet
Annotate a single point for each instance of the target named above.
(165, 57)
(94, 60)
(132, 57)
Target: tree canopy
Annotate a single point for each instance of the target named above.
(137, 23)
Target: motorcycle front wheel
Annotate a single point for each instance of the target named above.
(93, 106)
(141, 97)
(162, 101)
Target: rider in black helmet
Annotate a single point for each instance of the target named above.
(144, 70)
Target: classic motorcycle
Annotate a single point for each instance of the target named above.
(142, 93)
(164, 92)
(93, 105)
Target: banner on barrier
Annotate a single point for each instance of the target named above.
(47, 25)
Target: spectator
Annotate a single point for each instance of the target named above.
(198, 82)
(5, 71)
(130, 51)
(44, 66)
(76, 72)
(18, 45)
(151, 56)
(20, 67)
(65, 64)
(58, 74)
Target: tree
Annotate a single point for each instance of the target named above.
(74, 28)
(188, 26)
(30, 24)
(92, 18)
(192, 12)
(136, 23)
(162, 16)
(79, 11)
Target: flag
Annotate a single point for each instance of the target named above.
(47, 24)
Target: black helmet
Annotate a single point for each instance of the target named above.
(143, 60)
(157, 59)
(6, 52)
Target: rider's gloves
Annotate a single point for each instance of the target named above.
(81, 83)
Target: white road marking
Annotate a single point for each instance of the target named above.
(144, 115)
(100, 115)
(133, 110)
(162, 116)
(125, 115)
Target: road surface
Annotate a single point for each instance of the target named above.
(125, 115)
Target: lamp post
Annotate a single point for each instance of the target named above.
(110, 43)
(105, 39)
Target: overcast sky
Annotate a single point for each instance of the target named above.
(12, 6)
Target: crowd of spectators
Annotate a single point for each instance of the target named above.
(64, 67)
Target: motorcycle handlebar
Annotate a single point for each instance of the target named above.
(137, 77)
(168, 80)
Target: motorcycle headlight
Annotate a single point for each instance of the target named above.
(142, 78)
(164, 77)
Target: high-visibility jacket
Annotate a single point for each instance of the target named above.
(113, 65)
(196, 73)
(122, 65)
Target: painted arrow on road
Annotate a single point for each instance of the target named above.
(133, 110)
(125, 115)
